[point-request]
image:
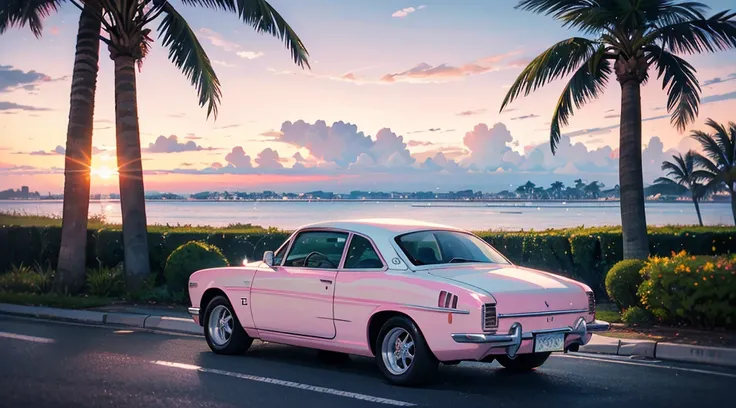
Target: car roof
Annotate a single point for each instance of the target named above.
(380, 227)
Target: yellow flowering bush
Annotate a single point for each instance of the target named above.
(696, 290)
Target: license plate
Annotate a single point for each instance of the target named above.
(549, 342)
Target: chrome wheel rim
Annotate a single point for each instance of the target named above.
(398, 351)
(220, 325)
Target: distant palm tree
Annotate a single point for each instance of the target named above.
(126, 24)
(630, 37)
(593, 189)
(70, 270)
(557, 188)
(721, 149)
(683, 172)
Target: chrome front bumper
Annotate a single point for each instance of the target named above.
(194, 311)
(512, 340)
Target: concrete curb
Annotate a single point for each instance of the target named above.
(163, 323)
(662, 351)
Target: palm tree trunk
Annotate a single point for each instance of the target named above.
(697, 210)
(633, 217)
(132, 197)
(72, 254)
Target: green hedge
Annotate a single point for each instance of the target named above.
(585, 254)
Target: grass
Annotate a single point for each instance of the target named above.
(24, 219)
(608, 312)
(53, 300)
(609, 316)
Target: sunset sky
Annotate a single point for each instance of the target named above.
(401, 96)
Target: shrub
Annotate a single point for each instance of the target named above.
(697, 290)
(622, 283)
(106, 282)
(636, 316)
(24, 279)
(189, 258)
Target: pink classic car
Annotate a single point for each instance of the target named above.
(409, 294)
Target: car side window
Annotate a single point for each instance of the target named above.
(362, 255)
(317, 249)
(279, 255)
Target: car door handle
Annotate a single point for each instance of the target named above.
(327, 281)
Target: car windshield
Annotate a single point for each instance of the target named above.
(444, 247)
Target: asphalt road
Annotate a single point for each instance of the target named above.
(48, 364)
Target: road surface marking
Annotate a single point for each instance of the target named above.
(291, 384)
(25, 338)
(609, 360)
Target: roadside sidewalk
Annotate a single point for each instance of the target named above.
(179, 321)
(720, 356)
(148, 318)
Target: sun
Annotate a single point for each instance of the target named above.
(104, 172)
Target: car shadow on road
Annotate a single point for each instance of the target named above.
(476, 378)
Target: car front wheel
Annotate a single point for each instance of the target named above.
(222, 329)
(523, 362)
(402, 354)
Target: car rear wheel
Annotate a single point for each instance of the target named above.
(402, 354)
(222, 329)
(523, 362)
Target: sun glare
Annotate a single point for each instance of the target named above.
(104, 172)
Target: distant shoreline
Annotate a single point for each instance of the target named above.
(376, 200)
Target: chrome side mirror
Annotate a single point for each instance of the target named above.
(268, 258)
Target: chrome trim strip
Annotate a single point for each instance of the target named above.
(512, 340)
(194, 311)
(336, 320)
(545, 313)
(437, 309)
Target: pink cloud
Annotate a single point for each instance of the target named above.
(415, 143)
(424, 73)
(471, 112)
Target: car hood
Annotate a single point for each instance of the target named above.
(520, 290)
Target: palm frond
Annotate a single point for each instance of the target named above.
(717, 33)
(681, 84)
(588, 16)
(668, 12)
(674, 170)
(725, 139)
(587, 83)
(710, 146)
(260, 15)
(187, 54)
(705, 163)
(557, 61)
(665, 180)
(18, 13)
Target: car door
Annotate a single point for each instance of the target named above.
(296, 295)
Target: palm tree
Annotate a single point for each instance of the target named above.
(18, 13)
(721, 149)
(629, 38)
(683, 172)
(557, 188)
(126, 24)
